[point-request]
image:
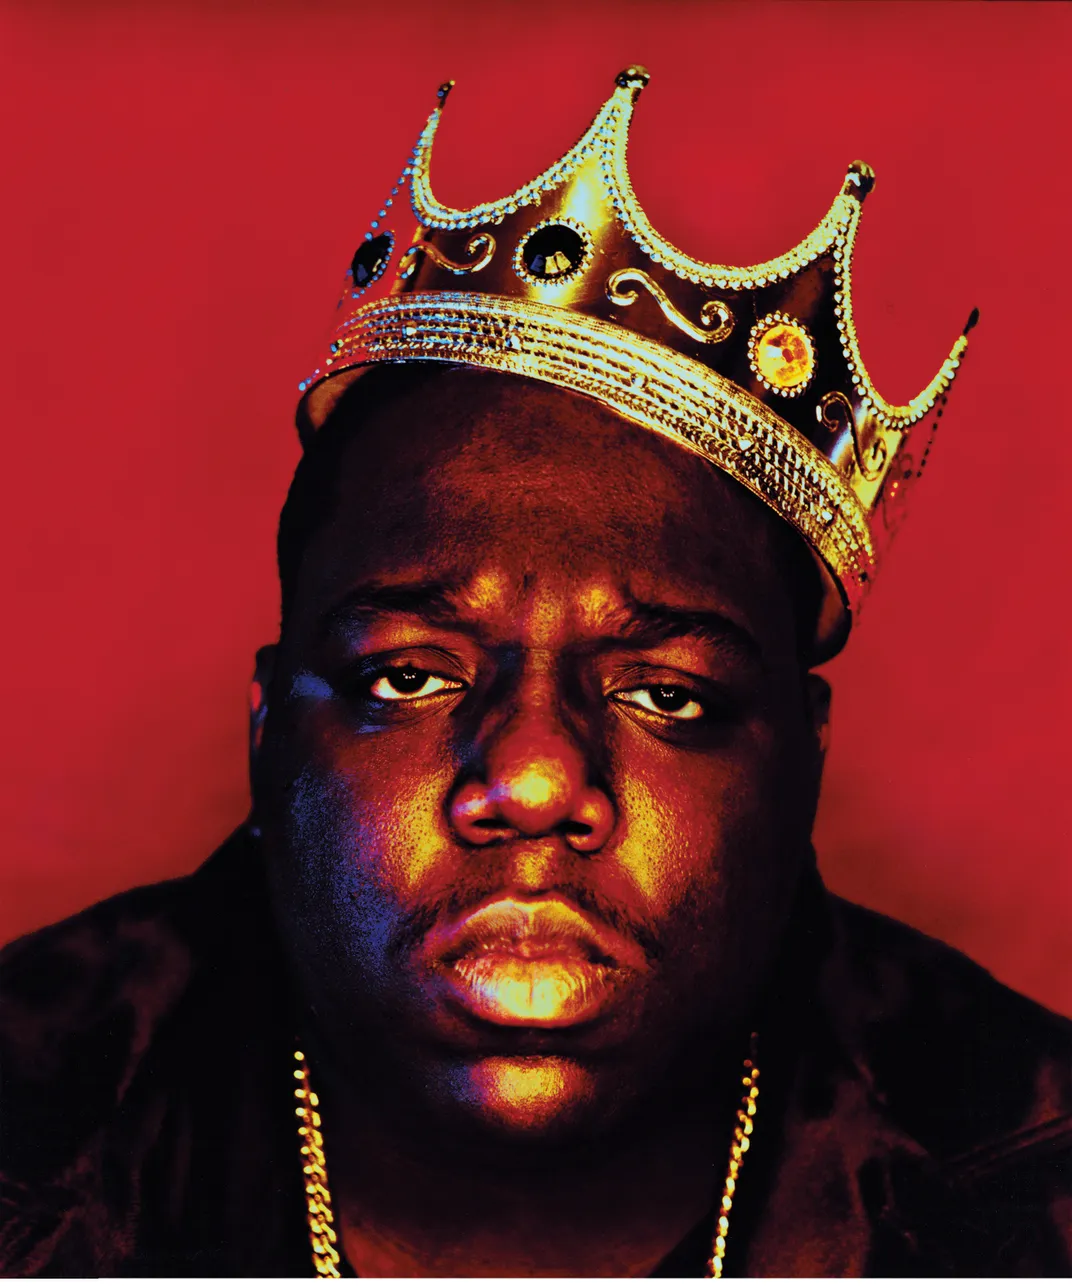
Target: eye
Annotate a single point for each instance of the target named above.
(407, 683)
(670, 702)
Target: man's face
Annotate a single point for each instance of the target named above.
(540, 764)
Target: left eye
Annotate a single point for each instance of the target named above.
(670, 702)
(406, 683)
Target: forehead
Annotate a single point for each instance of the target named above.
(511, 489)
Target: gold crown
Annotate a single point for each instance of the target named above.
(757, 369)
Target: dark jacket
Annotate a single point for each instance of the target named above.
(917, 1115)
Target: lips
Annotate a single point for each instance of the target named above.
(532, 963)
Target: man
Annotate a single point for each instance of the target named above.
(522, 965)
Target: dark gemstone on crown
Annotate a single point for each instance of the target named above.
(553, 251)
(371, 259)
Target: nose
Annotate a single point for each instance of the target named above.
(535, 781)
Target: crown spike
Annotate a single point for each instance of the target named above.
(972, 321)
(529, 284)
(433, 215)
(633, 77)
(859, 180)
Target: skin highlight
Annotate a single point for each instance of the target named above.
(539, 676)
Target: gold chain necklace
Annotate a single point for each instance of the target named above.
(323, 1239)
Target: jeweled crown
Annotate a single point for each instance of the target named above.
(757, 369)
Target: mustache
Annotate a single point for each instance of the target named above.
(417, 923)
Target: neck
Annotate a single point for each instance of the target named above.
(414, 1198)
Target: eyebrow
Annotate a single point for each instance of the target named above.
(648, 624)
(434, 601)
(637, 623)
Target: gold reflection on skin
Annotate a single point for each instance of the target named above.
(531, 868)
(408, 868)
(521, 1091)
(542, 782)
(596, 606)
(487, 592)
(649, 823)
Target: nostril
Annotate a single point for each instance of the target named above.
(592, 821)
(543, 803)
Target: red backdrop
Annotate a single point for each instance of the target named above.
(186, 183)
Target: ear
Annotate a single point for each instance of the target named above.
(817, 695)
(261, 685)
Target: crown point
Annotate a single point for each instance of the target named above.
(443, 91)
(859, 180)
(634, 77)
(971, 322)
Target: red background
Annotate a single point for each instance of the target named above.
(186, 184)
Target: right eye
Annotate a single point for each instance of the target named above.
(407, 683)
(672, 702)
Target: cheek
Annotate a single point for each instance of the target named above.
(360, 826)
(394, 797)
(710, 843)
(694, 819)
(379, 796)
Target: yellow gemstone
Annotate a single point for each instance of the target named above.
(784, 356)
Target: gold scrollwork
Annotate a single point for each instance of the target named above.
(481, 244)
(835, 411)
(712, 311)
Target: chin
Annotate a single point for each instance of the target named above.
(540, 1097)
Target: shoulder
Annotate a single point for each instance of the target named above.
(122, 953)
(976, 1074)
(933, 1024)
(109, 974)
(86, 1008)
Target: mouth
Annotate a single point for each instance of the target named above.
(540, 964)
